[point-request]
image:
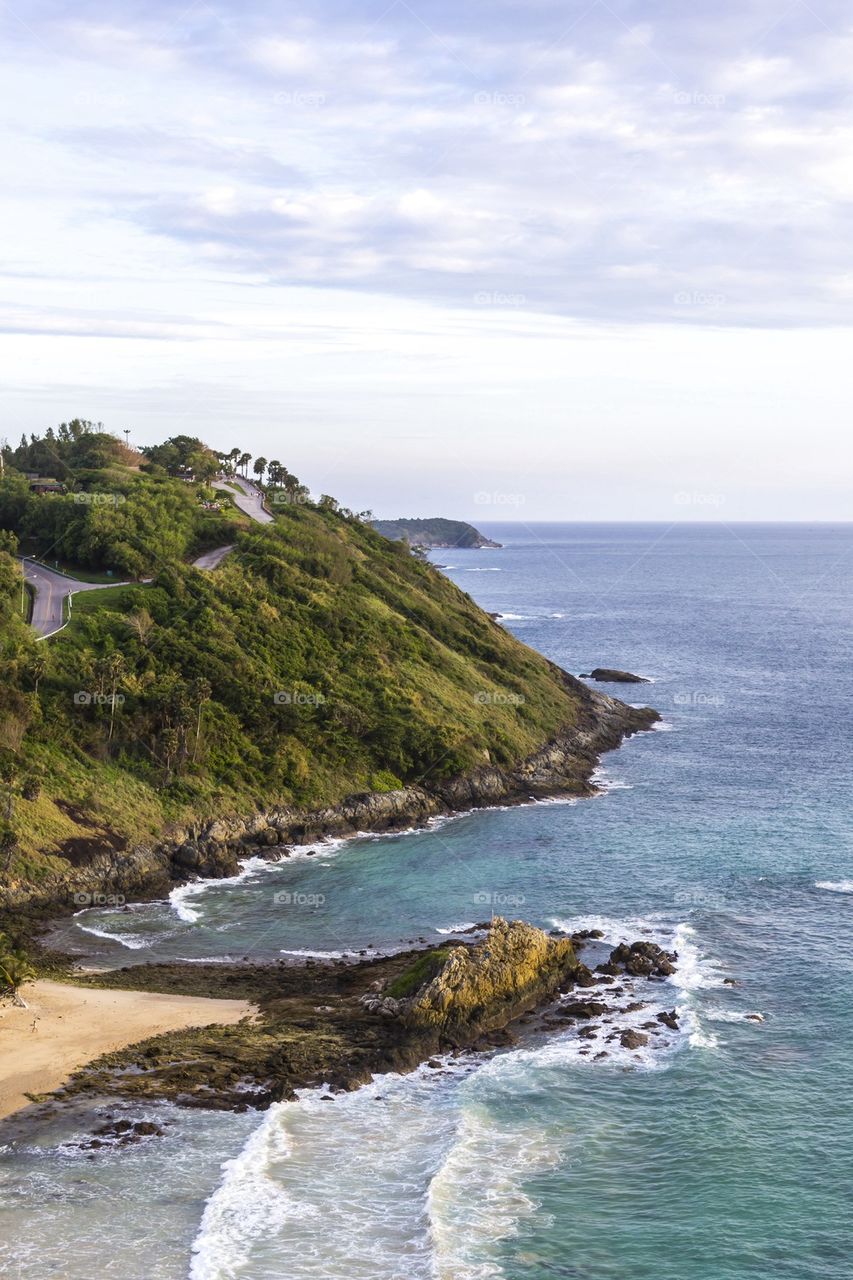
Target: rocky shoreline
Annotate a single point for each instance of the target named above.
(335, 1026)
(564, 765)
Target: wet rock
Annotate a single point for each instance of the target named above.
(583, 978)
(669, 1019)
(584, 1009)
(612, 675)
(633, 1039)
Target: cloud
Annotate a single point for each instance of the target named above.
(622, 163)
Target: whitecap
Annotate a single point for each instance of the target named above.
(458, 928)
(306, 953)
(835, 886)
(129, 940)
(247, 1203)
(467, 1230)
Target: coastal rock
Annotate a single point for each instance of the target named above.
(633, 1039)
(479, 989)
(609, 675)
(641, 959)
(584, 1009)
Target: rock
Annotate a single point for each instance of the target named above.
(669, 1019)
(633, 1039)
(754, 1017)
(482, 987)
(641, 959)
(588, 1033)
(611, 675)
(584, 1009)
(583, 978)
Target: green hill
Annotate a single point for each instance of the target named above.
(317, 661)
(434, 532)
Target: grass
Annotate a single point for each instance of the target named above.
(423, 970)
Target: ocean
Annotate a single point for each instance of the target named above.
(722, 1152)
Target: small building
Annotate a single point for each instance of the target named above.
(45, 484)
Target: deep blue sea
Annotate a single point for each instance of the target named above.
(723, 1151)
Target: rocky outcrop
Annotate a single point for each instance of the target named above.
(640, 960)
(480, 989)
(611, 676)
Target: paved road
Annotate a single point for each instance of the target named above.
(51, 590)
(250, 500)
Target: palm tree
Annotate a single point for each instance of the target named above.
(245, 459)
(200, 690)
(274, 472)
(259, 468)
(15, 970)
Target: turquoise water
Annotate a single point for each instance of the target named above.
(725, 1152)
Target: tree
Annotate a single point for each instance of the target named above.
(36, 666)
(259, 468)
(110, 671)
(200, 690)
(15, 970)
(142, 624)
(245, 459)
(275, 472)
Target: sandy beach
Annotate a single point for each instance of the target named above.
(67, 1026)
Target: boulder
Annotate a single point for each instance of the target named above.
(584, 1009)
(633, 1039)
(611, 675)
(480, 988)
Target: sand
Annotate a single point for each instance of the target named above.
(66, 1026)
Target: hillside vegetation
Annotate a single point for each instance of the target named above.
(320, 658)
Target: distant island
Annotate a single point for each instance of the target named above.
(435, 532)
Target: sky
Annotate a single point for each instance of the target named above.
(530, 260)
